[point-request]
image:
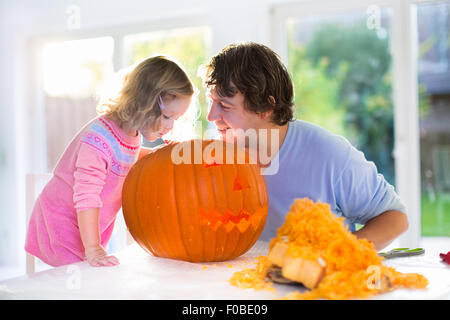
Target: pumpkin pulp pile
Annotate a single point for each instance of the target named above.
(314, 247)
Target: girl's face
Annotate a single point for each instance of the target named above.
(172, 107)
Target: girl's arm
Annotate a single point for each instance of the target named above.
(384, 228)
(88, 223)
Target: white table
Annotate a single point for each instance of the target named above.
(141, 276)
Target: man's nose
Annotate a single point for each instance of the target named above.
(213, 113)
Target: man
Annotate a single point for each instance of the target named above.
(250, 89)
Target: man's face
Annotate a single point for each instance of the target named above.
(229, 115)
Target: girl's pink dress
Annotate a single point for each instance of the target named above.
(90, 174)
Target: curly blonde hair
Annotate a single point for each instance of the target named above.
(136, 105)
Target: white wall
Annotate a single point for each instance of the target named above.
(23, 21)
(12, 63)
(7, 167)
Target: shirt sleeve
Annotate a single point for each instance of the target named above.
(362, 193)
(89, 177)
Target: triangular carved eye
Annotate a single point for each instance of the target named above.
(240, 183)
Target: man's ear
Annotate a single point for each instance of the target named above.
(266, 114)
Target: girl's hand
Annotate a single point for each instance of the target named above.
(97, 257)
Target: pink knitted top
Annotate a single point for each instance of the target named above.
(90, 174)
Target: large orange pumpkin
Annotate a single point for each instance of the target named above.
(206, 208)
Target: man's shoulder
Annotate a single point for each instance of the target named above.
(317, 141)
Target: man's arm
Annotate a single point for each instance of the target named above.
(384, 228)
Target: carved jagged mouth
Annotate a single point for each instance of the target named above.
(242, 220)
(213, 217)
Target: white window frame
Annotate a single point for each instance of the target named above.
(405, 88)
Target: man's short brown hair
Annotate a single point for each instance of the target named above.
(259, 74)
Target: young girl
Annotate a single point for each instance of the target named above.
(74, 216)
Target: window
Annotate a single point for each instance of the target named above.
(433, 23)
(191, 48)
(341, 67)
(73, 73)
(388, 94)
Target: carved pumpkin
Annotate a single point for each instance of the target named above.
(195, 201)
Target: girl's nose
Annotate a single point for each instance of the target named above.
(169, 126)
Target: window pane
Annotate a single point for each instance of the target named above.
(73, 73)
(341, 67)
(190, 47)
(433, 23)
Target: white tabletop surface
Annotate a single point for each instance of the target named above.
(142, 276)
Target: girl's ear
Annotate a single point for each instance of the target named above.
(168, 95)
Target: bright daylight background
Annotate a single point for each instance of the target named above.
(377, 72)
